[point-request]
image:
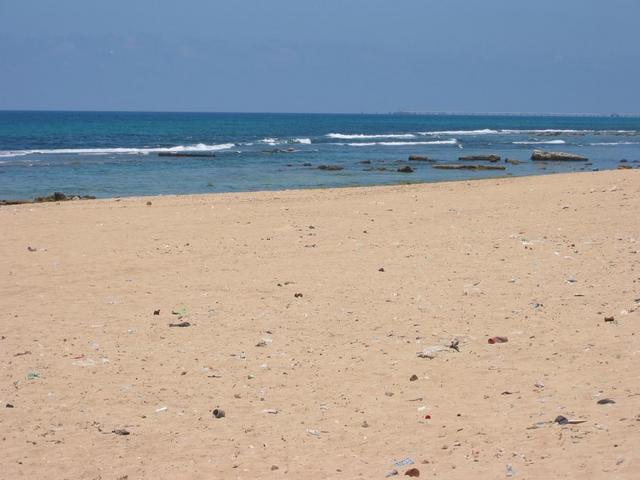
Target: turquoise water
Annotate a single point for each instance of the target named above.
(109, 154)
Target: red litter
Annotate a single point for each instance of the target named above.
(494, 340)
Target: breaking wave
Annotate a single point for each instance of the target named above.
(548, 142)
(276, 141)
(485, 131)
(363, 136)
(452, 141)
(200, 147)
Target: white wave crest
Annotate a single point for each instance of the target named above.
(485, 131)
(200, 147)
(363, 136)
(614, 143)
(549, 131)
(276, 141)
(9, 153)
(452, 141)
(549, 142)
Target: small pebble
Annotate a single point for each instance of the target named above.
(217, 413)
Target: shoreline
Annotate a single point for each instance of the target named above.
(78, 198)
(301, 314)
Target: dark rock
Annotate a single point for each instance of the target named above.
(186, 154)
(606, 401)
(14, 202)
(218, 413)
(624, 167)
(280, 150)
(451, 166)
(156, 312)
(330, 168)
(480, 158)
(562, 420)
(414, 378)
(558, 156)
(405, 169)
(121, 431)
(180, 325)
(419, 158)
(512, 162)
(60, 197)
(365, 162)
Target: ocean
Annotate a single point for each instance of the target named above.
(112, 154)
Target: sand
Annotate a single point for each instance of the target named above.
(318, 385)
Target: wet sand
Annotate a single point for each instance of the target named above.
(306, 311)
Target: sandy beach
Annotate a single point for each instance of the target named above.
(303, 313)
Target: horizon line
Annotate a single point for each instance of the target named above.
(398, 112)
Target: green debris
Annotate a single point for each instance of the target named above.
(180, 312)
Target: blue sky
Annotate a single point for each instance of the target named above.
(321, 55)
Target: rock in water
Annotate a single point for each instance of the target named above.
(480, 158)
(331, 168)
(419, 158)
(542, 155)
(186, 154)
(451, 166)
(405, 169)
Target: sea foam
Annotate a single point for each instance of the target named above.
(200, 147)
(485, 131)
(549, 142)
(364, 136)
(452, 141)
